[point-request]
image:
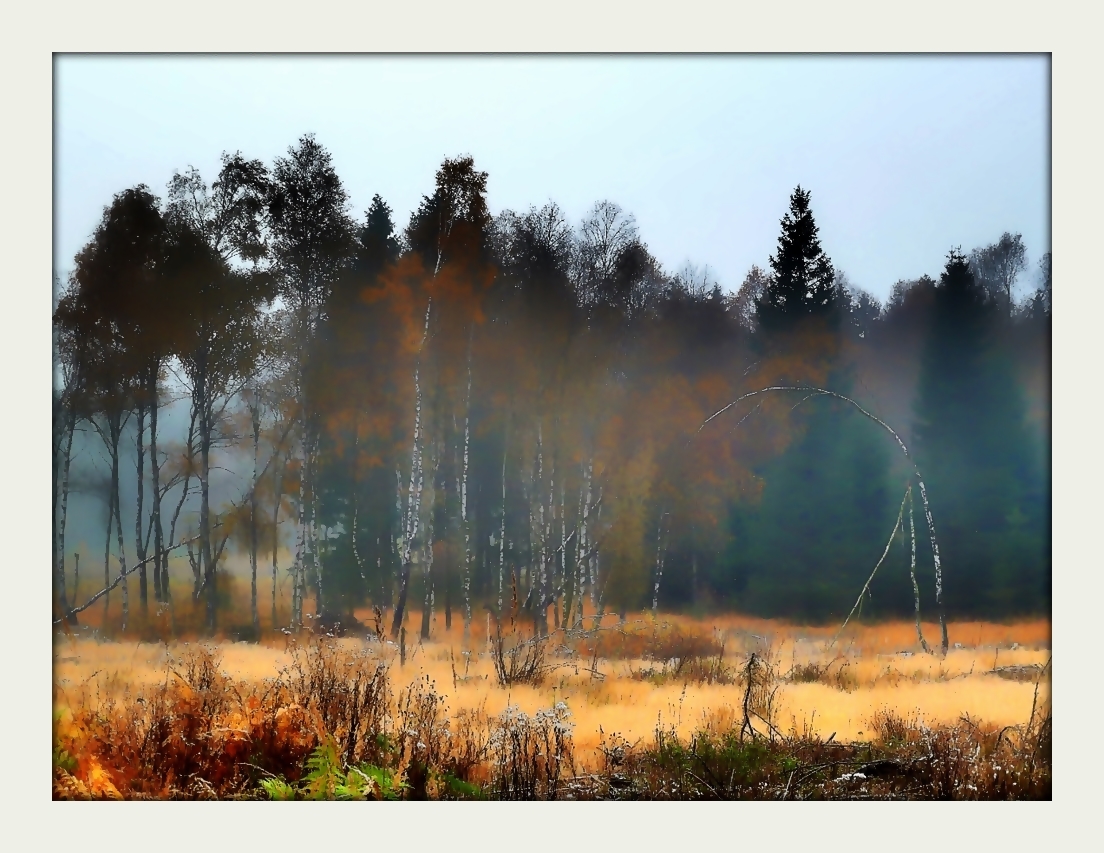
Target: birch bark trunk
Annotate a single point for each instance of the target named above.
(107, 554)
(255, 412)
(540, 615)
(502, 526)
(407, 557)
(938, 566)
(661, 551)
(356, 507)
(548, 565)
(116, 431)
(558, 588)
(912, 575)
(300, 543)
(595, 594)
(277, 500)
(413, 497)
(427, 562)
(582, 562)
(206, 551)
(59, 542)
(160, 565)
(464, 507)
(316, 547)
(139, 545)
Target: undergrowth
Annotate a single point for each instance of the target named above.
(330, 726)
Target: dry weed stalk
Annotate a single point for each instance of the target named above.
(330, 727)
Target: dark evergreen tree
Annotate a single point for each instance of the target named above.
(377, 246)
(803, 282)
(356, 500)
(973, 444)
(827, 508)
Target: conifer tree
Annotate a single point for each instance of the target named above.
(803, 281)
(972, 441)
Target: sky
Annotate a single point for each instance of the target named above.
(905, 156)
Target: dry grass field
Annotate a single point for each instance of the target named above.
(603, 705)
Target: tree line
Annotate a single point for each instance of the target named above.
(511, 413)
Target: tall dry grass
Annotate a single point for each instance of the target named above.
(623, 683)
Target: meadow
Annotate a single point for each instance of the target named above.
(654, 706)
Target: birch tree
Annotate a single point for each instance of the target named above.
(114, 275)
(69, 403)
(311, 238)
(218, 354)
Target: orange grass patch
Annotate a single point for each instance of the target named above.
(881, 671)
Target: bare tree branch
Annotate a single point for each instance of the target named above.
(122, 575)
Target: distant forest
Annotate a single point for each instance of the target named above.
(513, 413)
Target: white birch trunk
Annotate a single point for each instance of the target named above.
(60, 543)
(316, 553)
(464, 508)
(583, 559)
(415, 455)
(107, 555)
(427, 551)
(400, 521)
(912, 574)
(547, 557)
(276, 538)
(938, 567)
(300, 543)
(119, 539)
(160, 565)
(570, 620)
(661, 552)
(253, 509)
(593, 565)
(502, 531)
(410, 517)
(537, 571)
(356, 506)
(139, 545)
(563, 561)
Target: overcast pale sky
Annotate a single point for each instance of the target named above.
(905, 156)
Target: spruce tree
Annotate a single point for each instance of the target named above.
(803, 281)
(827, 507)
(973, 444)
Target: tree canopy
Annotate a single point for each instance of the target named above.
(468, 409)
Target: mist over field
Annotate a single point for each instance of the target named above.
(479, 387)
(516, 441)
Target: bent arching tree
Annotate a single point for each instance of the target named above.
(810, 392)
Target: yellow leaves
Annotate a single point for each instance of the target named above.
(400, 291)
(100, 786)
